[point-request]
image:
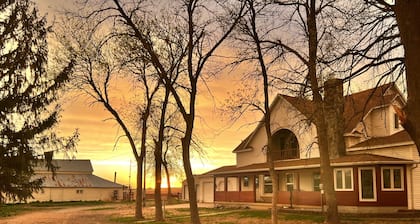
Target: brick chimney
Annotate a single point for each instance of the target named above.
(334, 108)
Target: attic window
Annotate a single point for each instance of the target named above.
(396, 121)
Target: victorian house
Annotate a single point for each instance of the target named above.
(379, 171)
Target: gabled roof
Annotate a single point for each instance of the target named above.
(67, 166)
(356, 159)
(76, 181)
(70, 174)
(356, 107)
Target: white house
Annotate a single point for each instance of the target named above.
(74, 181)
(378, 173)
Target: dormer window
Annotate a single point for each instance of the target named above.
(396, 121)
(285, 145)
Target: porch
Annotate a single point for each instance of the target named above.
(356, 186)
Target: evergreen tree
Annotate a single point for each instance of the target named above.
(28, 108)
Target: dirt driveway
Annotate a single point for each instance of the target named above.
(70, 215)
(83, 214)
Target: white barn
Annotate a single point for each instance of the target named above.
(74, 181)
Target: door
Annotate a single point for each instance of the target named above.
(208, 192)
(367, 184)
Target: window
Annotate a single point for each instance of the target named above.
(268, 184)
(232, 184)
(289, 181)
(79, 191)
(396, 121)
(392, 178)
(245, 181)
(257, 182)
(220, 184)
(317, 181)
(343, 179)
(367, 183)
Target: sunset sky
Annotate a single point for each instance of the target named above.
(98, 132)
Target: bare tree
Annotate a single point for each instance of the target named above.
(391, 39)
(96, 67)
(297, 40)
(202, 38)
(249, 28)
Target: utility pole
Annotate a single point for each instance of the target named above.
(129, 182)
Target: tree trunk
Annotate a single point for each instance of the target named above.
(327, 177)
(275, 183)
(408, 20)
(139, 190)
(168, 180)
(195, 218)
(159, 159)
(158, 182)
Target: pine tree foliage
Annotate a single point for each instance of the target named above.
(28, 108)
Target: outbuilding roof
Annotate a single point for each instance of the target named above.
(72, 174)
(63, 166)
(76, 181)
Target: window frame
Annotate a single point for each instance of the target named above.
(245, 181)
(396, 121)
(392, 168)
(343, 178)
(220, 186)
(266, 183)
(375, 191)
(232, 184)
(316, 177)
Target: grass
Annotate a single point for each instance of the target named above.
(124, 219)
(101, 208)
(254, 214)
(313, 218)
(11, 210)
(16, 209)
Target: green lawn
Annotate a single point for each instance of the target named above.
(7, 210)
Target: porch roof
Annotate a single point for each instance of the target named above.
(348, 160)
(397, 138)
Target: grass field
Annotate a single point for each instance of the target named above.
(123, 212)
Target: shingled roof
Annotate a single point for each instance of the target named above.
(397, 138)
(63, 166)
(356, 107)
(70, 174)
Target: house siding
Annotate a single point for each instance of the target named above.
(71, 194)
(416, 187)
(373, 141)
(283, 113)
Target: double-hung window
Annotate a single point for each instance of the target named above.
(392, 178)
(268, 184)
(343, 179)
